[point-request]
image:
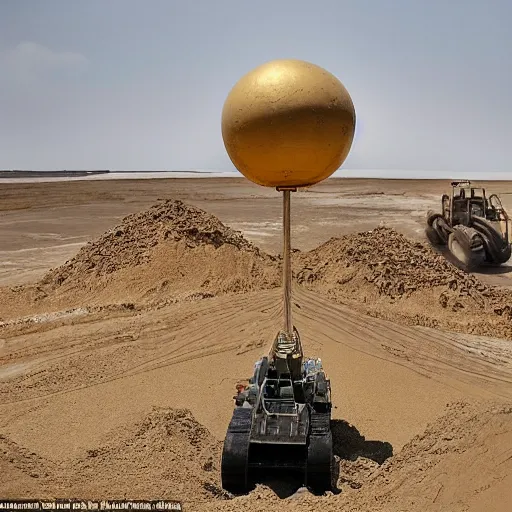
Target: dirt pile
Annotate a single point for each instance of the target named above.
(391, 276)
(132, 243)
(168, 455)
(461, 462)
(170, 250)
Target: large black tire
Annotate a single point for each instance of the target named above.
(497, 250)
(437, 229)
(433, 236)
(467, 247)
(235, 454)
(432, 216)
(320, 454)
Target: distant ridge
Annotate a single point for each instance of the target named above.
(15, 173)
(375, 174)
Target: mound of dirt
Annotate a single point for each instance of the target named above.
(461, 462)
(132, 243)
(167, 455)
(172, 250)
(388, 275)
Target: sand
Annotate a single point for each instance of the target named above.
(129, 311)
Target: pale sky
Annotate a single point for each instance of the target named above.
(140, 85)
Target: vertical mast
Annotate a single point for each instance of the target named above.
(287, 268)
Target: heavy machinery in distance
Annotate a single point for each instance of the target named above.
(475, 228)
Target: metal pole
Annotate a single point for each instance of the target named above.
(287, 269)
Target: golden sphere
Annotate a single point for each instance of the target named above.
(288, 123)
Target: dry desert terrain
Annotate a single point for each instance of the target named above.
(130, 309)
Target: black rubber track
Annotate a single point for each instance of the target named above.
(433, 236)
(320, 454)
(235, 454)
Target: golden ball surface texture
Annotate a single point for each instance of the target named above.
(288, 123)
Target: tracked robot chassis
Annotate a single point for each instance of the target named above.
(281, 421)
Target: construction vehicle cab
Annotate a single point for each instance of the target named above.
(466, 202)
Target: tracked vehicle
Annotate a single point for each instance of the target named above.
(474, 227)
(281, 421)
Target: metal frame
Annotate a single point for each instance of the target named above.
(261, 400)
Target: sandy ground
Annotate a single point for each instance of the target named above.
(118, 366)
